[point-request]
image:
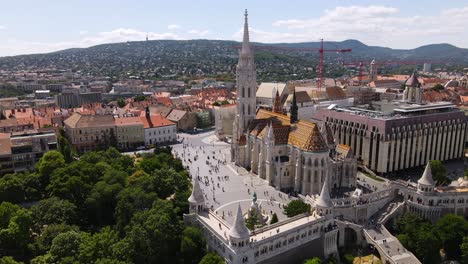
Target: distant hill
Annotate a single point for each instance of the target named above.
(166, 58)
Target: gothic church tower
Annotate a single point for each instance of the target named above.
(246, 82)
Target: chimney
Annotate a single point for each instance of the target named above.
(147, 112)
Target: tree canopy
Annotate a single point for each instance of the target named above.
(296, 207)
(439, 172)
(101, 207)
(426, 240)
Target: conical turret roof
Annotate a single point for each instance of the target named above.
(197, 196)
(426, 178)
(413, 80)
(239, 230)
(324, 199)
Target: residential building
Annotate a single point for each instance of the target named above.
(90, 132)
(183, 119)
(129, 132)
(157, 129)
(19, 151)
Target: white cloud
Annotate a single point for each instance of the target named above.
(84, 32)
(172, 27)
(374, 25)
(199, 33)
(2, 27)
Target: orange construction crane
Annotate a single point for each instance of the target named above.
(320, 50)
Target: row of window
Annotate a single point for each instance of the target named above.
(279, 244)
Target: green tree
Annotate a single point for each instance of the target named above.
(12, 189)
(121, 103)
(8, 260)
(192, 245)
(464, 250)
(216, 104)
(48, 163)
(53, 211)
(427, 244)
(65, 246)
(438, 87)
(139, 98)
(252, 221)
(47, 234)
(129, 201)
(274, 218)
(313, 261)
(102, 199)
(296, 207)
(451, 229)
(212, 258)
(439, 172)
(15, 224)
(98, 245)
(155, 234)
(64, 146)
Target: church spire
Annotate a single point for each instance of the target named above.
(277, 108)
(294, 108)
(245, 40)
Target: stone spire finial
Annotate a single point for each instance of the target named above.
(293, 110)
(324, 200)
(239, 230)
(197, 196)
(277, 108)
(426, 178)
(246, 26)
(245, 40)
(269, 133)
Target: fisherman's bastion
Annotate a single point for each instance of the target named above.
(275, 158)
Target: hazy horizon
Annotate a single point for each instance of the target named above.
(58, 25)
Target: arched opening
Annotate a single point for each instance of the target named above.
(350, 237)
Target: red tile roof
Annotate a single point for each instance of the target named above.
(155, 121)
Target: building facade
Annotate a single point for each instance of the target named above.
(290, 154)
(395, 136)
(129, 132)
(304, 236)
(246, 86)
(90, 132)
(158, 130)
(19, 151)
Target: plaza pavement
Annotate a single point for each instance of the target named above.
(239, 185)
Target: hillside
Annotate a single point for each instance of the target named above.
(191, 58)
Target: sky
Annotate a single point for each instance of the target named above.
(32, 26)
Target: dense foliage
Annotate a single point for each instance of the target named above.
(101, 208)
(439, 172)
(427, 240)
(296, 207)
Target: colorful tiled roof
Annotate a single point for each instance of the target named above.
(303, 134)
